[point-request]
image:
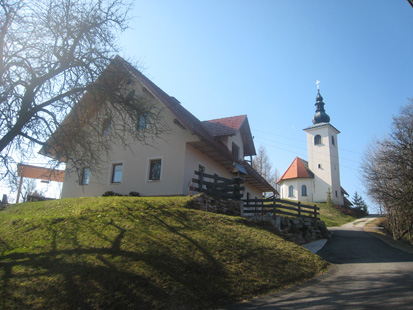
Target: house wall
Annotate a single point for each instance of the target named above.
(170, 148)
(179, 161)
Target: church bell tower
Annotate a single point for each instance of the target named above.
(323, 161)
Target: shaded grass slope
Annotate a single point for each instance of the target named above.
(139, 253)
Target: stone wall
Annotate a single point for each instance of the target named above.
(298, 230)
(216, 205)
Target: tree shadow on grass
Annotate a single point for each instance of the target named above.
(116, 271)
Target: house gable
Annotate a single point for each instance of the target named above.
(207, 143)
(196, 136)
(231, 126)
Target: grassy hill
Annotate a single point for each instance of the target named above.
(333, 217)
(139, 253)
(329, 215)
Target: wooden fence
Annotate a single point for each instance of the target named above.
(217, 186)
(275, 206)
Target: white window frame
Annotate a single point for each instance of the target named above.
(82, 177)
(142, 118)
(112, 171)
(148, 168)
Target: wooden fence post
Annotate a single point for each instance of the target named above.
(275, 206)
(299, 209)
(237, 186)
(315, 213)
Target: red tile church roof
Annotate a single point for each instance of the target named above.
(298, 169)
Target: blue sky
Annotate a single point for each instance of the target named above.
(262, 58)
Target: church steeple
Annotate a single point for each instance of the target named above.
(320, 115)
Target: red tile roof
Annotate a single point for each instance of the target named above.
(298, 169)
(227, 126)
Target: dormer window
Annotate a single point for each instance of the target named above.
(317, 139)
(235, 150)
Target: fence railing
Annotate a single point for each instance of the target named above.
(275, 206)
(217, 186)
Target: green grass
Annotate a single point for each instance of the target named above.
(139, 253)
(329, 215)
(333, 217)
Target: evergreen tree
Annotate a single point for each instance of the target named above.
(329, 199)
(359, 203)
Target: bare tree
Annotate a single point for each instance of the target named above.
(388, 174)
(52, 53)
(263, 165)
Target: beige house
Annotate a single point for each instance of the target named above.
(167, 165)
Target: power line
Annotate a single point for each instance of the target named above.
(302, 148)
(292, 138)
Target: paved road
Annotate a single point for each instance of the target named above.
(366, 273)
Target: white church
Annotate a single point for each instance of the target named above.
(310, 180)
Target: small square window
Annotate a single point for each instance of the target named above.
(155, 169)
(117, 171)
(85, 176)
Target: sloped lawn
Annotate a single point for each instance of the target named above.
(139, 253)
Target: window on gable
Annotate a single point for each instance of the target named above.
(332, 140)
(117, 170)
(84, 180)
(142, 122)
(235, 150)
(155, 166)
(317, 139)
(303, 190)
(106, 124)
(291, 191)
